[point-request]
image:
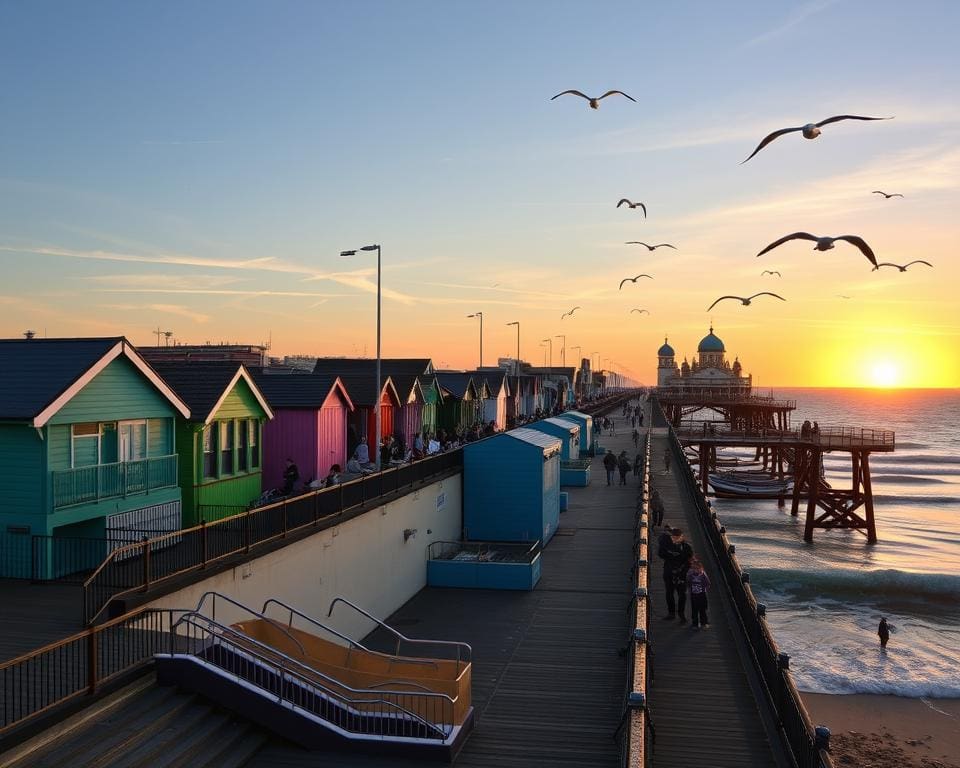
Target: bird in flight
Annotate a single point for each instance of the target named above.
(594, 102)
(825, 243)
(901, 267)
(879, 192)
(745, 301)
(630, 203)
(650, 247)
(842, 296)
(770, 272)
(639, 310)
(570, 313)
(631, 280)
(810, 130)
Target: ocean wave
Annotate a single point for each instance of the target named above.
(918, 479)
(880, 584)
(925, 500)
(920, 459)
(823, 681)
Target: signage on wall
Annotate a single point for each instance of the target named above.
(441, 501)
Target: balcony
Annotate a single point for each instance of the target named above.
(110, 481)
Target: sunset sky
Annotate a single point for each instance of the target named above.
(198, 167)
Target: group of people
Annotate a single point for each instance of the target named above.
(808, 430)
(621, 462)
(683, 574)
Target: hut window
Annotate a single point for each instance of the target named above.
(226, 447)
(254, 443)
(209, 452)
(242, 457)
(85, 444)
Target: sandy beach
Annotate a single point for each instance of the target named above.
(870, 731)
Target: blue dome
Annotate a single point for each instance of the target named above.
(710, 343)
(666, 350)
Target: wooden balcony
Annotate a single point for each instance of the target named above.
(84, 485)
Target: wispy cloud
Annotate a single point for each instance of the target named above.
(796, 16)
(186, 143)
(225, 292)
(170, 309)
(120, 282)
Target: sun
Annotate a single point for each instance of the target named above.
(884, 374)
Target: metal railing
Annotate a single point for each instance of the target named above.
(71, 559)
(799, 734)
(485, 551)
(825, 437)
(36, 682)
(83, 485)
(635, 746)
(136, 567)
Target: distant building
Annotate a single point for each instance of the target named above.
(710, 370)
(250, 355)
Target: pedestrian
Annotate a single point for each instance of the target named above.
(698, 583)
(633, 421)
(637, 464)
(641, 417)
(290, 476)
(656, 506)
(610, 464)
(636, 439)
(676, 554)
(613, 426)
(666, 461)
(623, 464)
(333, 476)
(883, 631)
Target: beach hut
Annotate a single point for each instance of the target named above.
(498, 393)
(363, 421)
(511, 487)
(461, 397)
(88, 448)
(219, 444)
(566, 431)
(585, 422)
(309, 424)
(432, 401)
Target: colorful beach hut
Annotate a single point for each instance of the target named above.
(566, 431)
(585, 422)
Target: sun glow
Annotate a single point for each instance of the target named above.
(884, 374)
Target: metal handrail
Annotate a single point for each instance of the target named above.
(400, 636)
(216, 595)
(309, 679)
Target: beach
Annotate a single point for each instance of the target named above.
(876, 731)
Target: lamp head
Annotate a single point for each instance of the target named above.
(515, 322)
(348, 253)
(370, 248)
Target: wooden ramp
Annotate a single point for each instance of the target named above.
(701, 700)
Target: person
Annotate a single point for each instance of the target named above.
(666, 461)
(623, 464)
(804, 430)
(637, 464)
(883, 631)
(676, 561)
(698, 583)
(290, 476)
(641, 416)
(815, 429)
(636, 439)
(610, 464)
(418, 446)
(656, 506)
(362, 453)
(333, 476)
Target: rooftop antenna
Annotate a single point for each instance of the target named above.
(29, 334)
(167, 335)
(158, 332)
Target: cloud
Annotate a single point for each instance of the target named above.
(796, 16)
(225, 292)
(149, 143)
(132, 282)
(170, 309)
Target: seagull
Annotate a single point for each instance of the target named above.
(901, 267)
(633, 205)
(878, 192)
(631, 280)
(594, 102)
(570, 313)
(825, 243)
(770, 272)
(810, 130)
(745, 301)
(650, 247)
(639, 310)
(841, 296)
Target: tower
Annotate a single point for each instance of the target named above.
(666, 364)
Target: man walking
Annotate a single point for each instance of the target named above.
(610, 464)
(676, 554)
(666, 461)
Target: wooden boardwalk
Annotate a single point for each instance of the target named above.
(548, 679)
(37, 614)
(701, 701)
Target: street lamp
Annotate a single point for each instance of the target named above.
(480, 315)
(516, 398)
(550, 342)
(578, 348)
(377, 407)
(563, 349)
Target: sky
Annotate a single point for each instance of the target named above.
(199, 167)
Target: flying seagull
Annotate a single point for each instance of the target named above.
(631, 280)
(879, 192)
(770, 272)
(810, 130)
(842, 296)
(901, 267)
(633, 205)
(570, 313)
(639, 310)
(594, 102)
(650, 247)
(825, 243)
(745, 301)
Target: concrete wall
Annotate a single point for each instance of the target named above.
(365, 560)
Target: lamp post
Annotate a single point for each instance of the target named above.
(379, 386)
(563, 349)
(578, 372)
(550, 342)
(480, 315)
(578, 348)
(516, 398)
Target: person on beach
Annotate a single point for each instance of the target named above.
(666, 461)
(610, 464)
(698, 583)
(883, 631)
(623, 464)
(676, 554)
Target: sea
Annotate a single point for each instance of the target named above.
(824, 600)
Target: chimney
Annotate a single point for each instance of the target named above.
(29, 334)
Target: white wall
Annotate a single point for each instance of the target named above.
(365, 560)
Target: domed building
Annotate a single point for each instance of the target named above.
(709, 370)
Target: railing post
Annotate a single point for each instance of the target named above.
(92, 656)
(283, 517)
(246, 533)
(146, 563)
(203, 543)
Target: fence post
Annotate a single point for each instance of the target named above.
(203, 543)
(283, 518)
(92, 660)
(146, 563)
(316, 507)
(246, 533)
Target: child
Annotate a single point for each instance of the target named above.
(698, 583)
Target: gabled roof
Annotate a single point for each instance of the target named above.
(404, 371)
(494, 380)
(430, 382)
(299, 390)
(457, 384)
(205, 385)
(548, 443)
(363, 388)
(562, 423)
(40, 376)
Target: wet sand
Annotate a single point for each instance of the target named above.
(872, 731)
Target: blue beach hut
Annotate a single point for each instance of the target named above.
(511, 487)
(566, 431)
(585, 421)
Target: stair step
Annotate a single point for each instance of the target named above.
(181, 737)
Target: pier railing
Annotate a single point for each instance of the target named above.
(829, 437)
(807, 743)
(636, 722)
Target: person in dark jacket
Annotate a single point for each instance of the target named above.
(656, 506)
(623, 464)
(610, 464)
(883, 631)
(676, 554)
(290, 476)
